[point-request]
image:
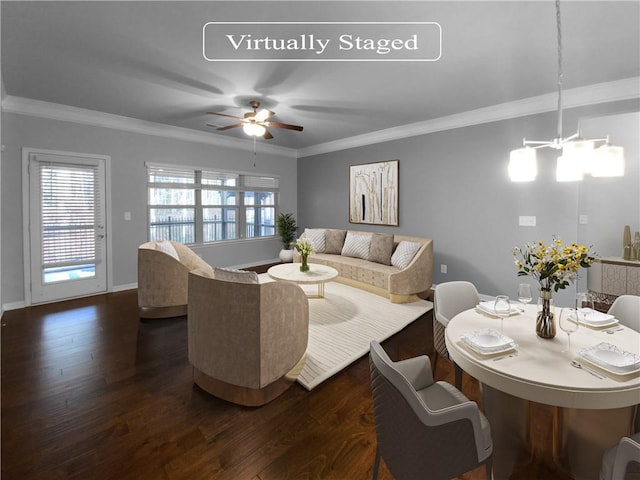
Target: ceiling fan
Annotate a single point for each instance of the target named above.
(255, 123)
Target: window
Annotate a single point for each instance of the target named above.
(190, 205)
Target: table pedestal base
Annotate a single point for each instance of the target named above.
(565, 442)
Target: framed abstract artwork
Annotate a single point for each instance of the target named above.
(373, 193)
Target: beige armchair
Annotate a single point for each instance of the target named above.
(163, 270)
(246, 340)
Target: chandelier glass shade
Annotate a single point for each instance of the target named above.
(578, 156)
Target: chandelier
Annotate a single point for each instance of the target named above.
(578, 156)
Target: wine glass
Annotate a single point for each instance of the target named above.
(524, 293)
(568, 324)
(502, 307)
(584, 306)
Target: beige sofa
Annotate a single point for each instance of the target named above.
(374, 269)
(163, 270)
(246, 340)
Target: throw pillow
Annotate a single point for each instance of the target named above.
(334, 240)
(381, 248)
(165, 246)
(232, 275)
(404, 253)
(316, 238)
(356, 245)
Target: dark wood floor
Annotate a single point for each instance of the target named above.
(91, 392)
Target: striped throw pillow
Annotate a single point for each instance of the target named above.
(316, 237)
(404, 253)
(356, 246)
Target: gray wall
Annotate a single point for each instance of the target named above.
(129, 152)
(454, 188)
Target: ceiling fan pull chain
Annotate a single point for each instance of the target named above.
(254, 152)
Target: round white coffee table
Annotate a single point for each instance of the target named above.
(317, 274)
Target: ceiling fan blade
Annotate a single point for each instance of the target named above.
(263, 114)
(267, 135)
(229, 127)
(225, 115)
(284, 125)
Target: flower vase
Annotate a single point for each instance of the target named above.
(304, 267)
(545, 324)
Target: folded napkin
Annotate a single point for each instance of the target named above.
(487, 307)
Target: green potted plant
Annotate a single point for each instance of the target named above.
(287, 229)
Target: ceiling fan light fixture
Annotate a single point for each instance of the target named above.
(254, 129)
(523, 165)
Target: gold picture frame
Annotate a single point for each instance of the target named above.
(373, 193)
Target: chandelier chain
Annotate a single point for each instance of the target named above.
(560, 72)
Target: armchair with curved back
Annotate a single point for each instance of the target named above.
(424, 429)
(626, 308)
(163, 270)
(450, 299)
(622, 461)
(246, 339)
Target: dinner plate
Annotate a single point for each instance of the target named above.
(609, 323)
(488, 341)
(487, 307)
(593, 317)
(612, 359)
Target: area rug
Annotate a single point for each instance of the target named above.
(342, 324)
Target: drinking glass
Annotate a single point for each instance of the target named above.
(524, 293)
(567, 324)
(502, 307)
(584, 306)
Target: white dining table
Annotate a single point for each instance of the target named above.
(593, 411)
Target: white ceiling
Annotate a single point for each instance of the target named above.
(144, 60)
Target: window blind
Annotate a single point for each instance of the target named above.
(69, 215)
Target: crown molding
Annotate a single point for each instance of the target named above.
(618, 90)
(66, 113)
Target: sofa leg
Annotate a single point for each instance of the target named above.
(395, 298)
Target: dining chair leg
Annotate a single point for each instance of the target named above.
(458, 375)
(376, 464)
(489, 468)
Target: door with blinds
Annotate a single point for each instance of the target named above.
(66, 226)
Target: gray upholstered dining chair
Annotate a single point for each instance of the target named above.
(424, 429)
(626, 308)
(450, 299)
(622, 461)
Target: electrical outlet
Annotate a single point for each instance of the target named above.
(583, 219)
(127, 216)
(443, 268)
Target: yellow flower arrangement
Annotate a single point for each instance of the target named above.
(554, 266)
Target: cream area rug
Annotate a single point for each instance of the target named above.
(343, 323)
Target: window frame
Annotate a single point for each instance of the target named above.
(240, 183)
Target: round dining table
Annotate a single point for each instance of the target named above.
(594, 407)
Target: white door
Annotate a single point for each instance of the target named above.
(66, 226)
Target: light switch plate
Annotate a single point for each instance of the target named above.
(527, 220)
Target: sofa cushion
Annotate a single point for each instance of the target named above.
(334, 240)
(404, 253)
(316, 237)
(232, 275)
(381, 248)
(165, 246)
(356, 245)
